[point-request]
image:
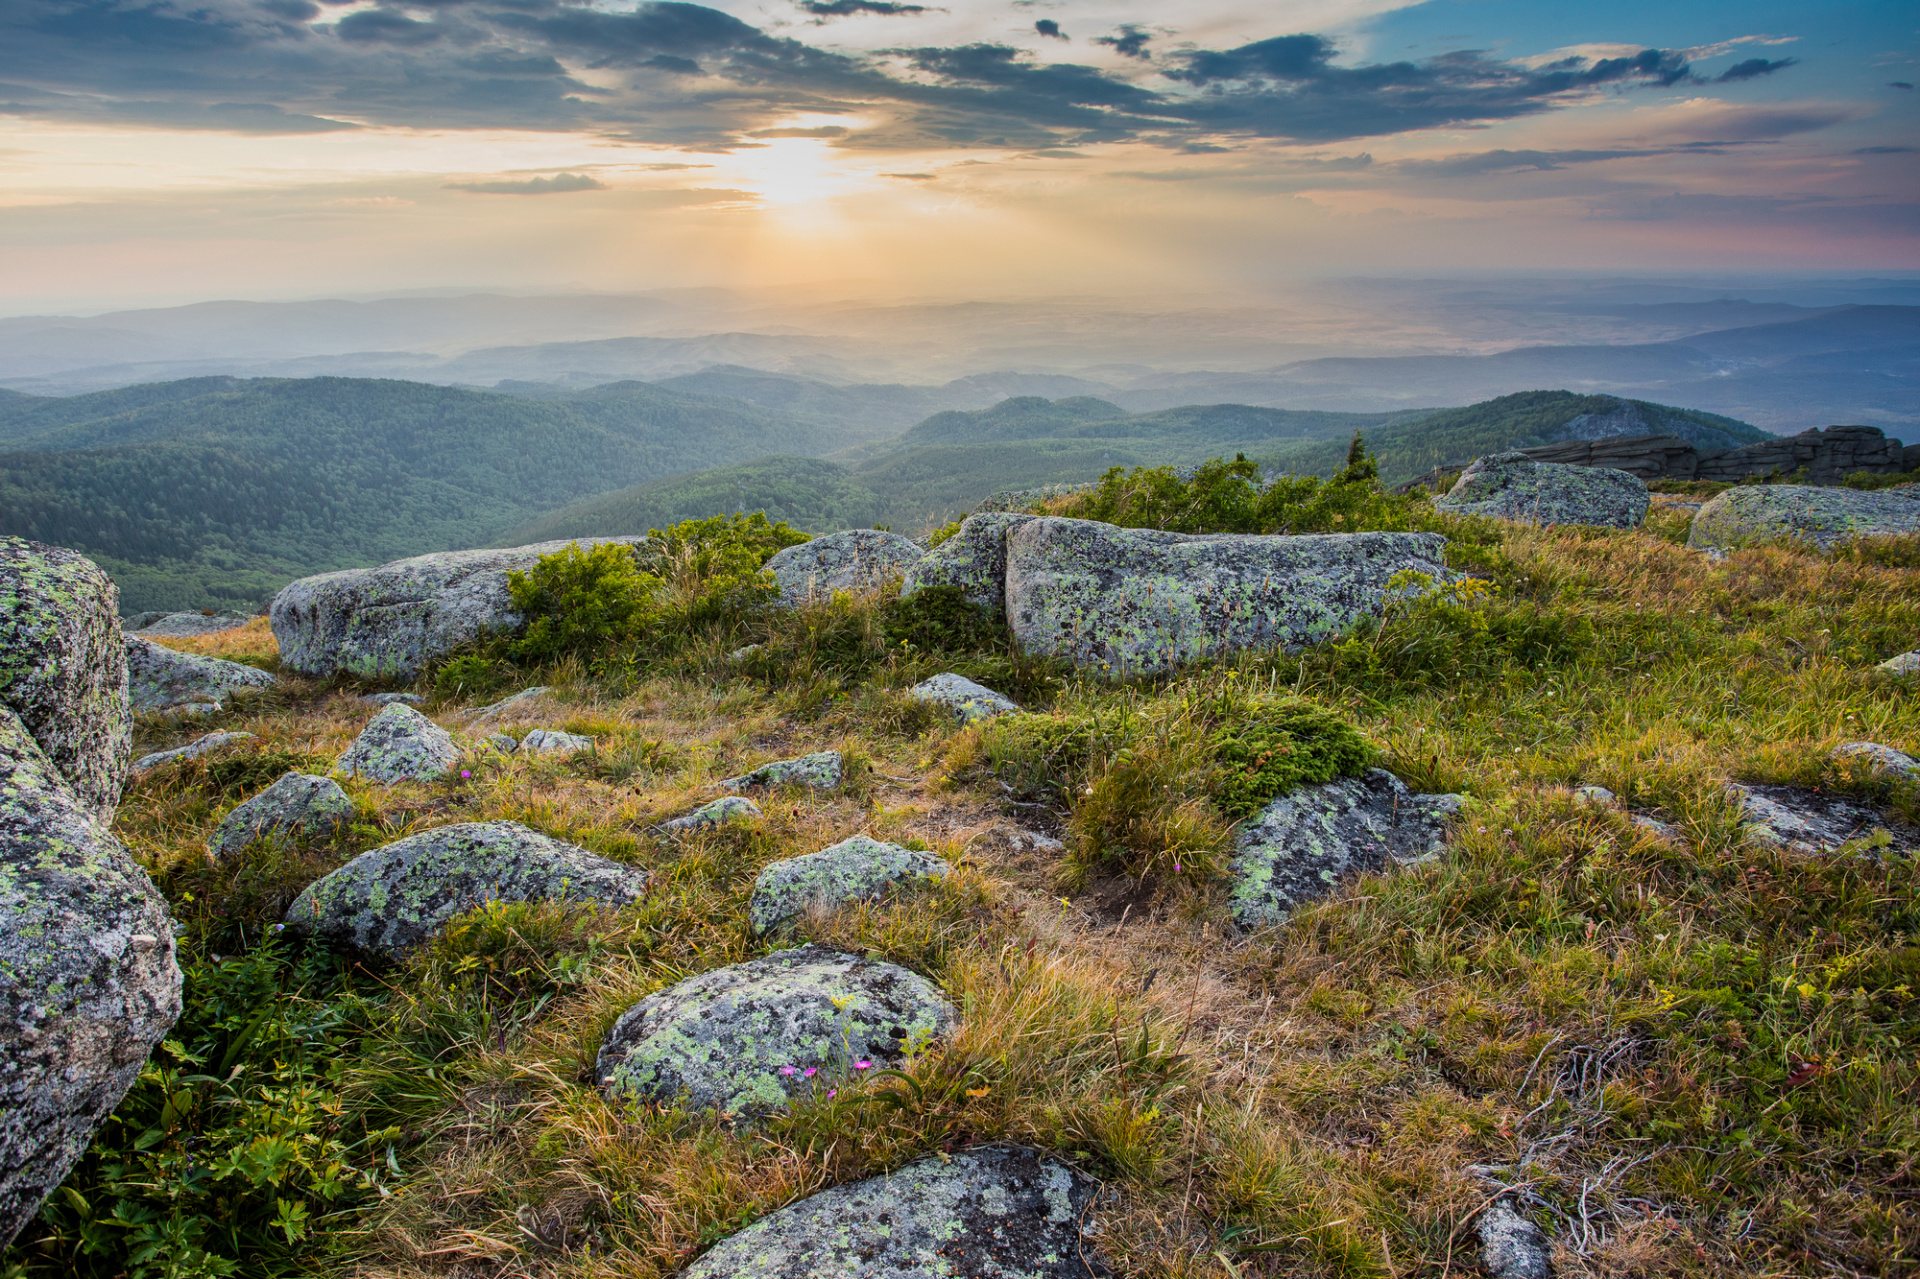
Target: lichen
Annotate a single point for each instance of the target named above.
(295, 809)
(822, 770)
(1823, 516)
(399, 744)
(853, 870)
(970, 703)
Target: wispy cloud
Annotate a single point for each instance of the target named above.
(558, 184)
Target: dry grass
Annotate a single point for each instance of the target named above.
(253, 639)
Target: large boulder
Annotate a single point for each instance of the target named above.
(1513, 486)
(990, 1213)
(1140, 601)
(395, 621)
(297, 808)
(1825, 517)
(861, 559)
(966, 701)
(748, 1038)
(159, 678)
(88, 978)
(393, 898)
(399, 745)
(63, 666)
(856, 869)
(1300, 846)
(973, 559)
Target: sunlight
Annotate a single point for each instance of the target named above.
(790, 172)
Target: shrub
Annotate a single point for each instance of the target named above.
(940, 619)
(472, 675)
(1276, 744)
(582, 603)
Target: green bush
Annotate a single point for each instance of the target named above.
(472, 675)
(582, 602)
(1457, 631)
(1275, 744)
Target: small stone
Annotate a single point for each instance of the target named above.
(742, 654)
(1512, 1247)
(192, 750)
(388, 699)
(855, 561)
(159, 679)
(296, 809)
(856, 869)
(822, 770)
(1905, 664)
(1666, 832)
(721, 811)
(502, 742)
(399, 745)
(1884, 759)
(505, 704)
(1593, 795)
(968, 702)
(549, 741)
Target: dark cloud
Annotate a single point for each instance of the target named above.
(558, 184)
(1129, 41)
(846, 8)
(1752, 68)
(1051, 29)
(824, 131)
(1883, 150)
(1898, 84)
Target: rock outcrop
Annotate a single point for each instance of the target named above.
(861, 559)
(298, 808)
(1825, 517)
(399, 745)
(1513, 486)
(391, 899)
(974, 559)
(728, 808)
(822, 770)
(856, 869)
(965, 700)
(1809, 821)
(747, 1039)
(395, 621)
(158, 625)
(159, 678)
(1140, 601)
(192, 750)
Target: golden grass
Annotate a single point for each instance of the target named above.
(252, 639)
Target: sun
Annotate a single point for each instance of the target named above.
(793, 172)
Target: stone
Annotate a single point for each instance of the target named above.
(1140, 601)
(822, 770)
(399, 745)
(63, 666)
(1904, 664)
(160, 679)
(747, 1039)
(388, 699)
(551, 741)
(1806, 821)
(391, 899)
(1513, 486)
(299, 808)
(88, 977)
(1020, 500)
(1593, 795)
(1826, 517)
(192, 750)
(717, 813)
(1512, 1247)
(1827, 456)
(856, 561)
(973, 559)
(987, 1213)
(1666, 832)
(396, 621)
(1300, 846)
(518, 700)
(966, 701)
(1881, 759)
(502, 742)
(856, 869)
(156, 625)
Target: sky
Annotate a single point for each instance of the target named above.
(164, 151)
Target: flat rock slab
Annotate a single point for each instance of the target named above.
(551, 741)
(399, 745)
(991, 1213)
(966, 701)
(1304, 843)
(856, 561)
(728, 808)
(299, 808)
(192, 750)
(856, 869)
(1810, 821)
(1131, 602)
(1825, 517)
(88, 978)
(974, 559)
(1513, 486)
(747, 1039)
(159, 678)
(822, 770)
(394, 898)
(154, 626)
(1880, 759)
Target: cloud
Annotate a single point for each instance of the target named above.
(558, 184)
(1883, 150)
(1129, 42)
(1483, 162)
(1051, 29)
(1751, 68)
(823, 131)
(1898, 84)
(912, 177)
(845, 8)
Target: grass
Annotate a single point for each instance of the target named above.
(1686, 1059)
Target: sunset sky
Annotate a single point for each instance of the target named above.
(157, 151)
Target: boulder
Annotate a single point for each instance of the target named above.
(393, 898)
(966, 701)
(1300, 846)
(973, 559)
(716, 813)
(1808, 821)
(88, 978)
(856, 869)
(296, 809)
(748, 1038)
(158, 678)
(988, 1213)
(517, 701)
(1512, 486)
(397, 620)
(551, 741)
(1512, 1247)
(63, 666)
(1825, 517)
(399, 745)
(192, 750)
(388, 699)
(157, 625)
(1140, 601)
(858, 560)
(1904, 664)
(1881, 759)
(822, 770)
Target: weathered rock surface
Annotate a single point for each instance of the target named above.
(399, 745)
(715, 813)
(63, 666)
(88, 978)
(397, 620)
(1824, 516)
(296, 809)
(854, 869)
(551, 741)
(967, 701)
(973, 559)
(1512, 1247)
(1512, 486)
(393, 898)
(517, 701)
(192, 750)
(1304, 843)
(1904, 664)
(822, 770)
(388, 699)
(748, 1038)
(1882, 759)
(990, 1213)
(505, 743)
(156, 625)
(1139, 601)
(1808, 821)
(159, 678)
(861, 559)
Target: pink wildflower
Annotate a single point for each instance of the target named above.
(863, 1065)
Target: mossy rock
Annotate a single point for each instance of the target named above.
(966, 701)
(1513, 486)
(728, 808)
(856, 869)
(974, 559)
(856, 561)
(822, 770)
(299, 808)
(399, 744)
(159, 678)
(1825, 517)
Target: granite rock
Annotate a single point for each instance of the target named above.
(1513, 486)
(399, 745)
(856, 869)
(1512, 1247)
(514, 702)
(1825, 517)
(1802, 820)
(718, 812)
(822, 770)
(966, 701)
(551, 741)
(1904, 664)
(856, 561)
(973, 559)
(159, 678)
(192, 750)
(156, 626)
(299, 808)
(1882, 759)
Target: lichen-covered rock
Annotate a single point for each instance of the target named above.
(88, 978)
(718, 812)
(1882, 759)
(63, 666)
(1825, 517)
(296, 809)
(156, 625)
(505, 743)
(973, 559)
(1139, 601)
(388, 699)
(858, 560)
(551, 741)
(397, 620)
(989, 1213)
(1808, 821)
(1512, 486)
(394, 898)
(748, 1038)
(517, 701)
(1904, 664)
(856, 869)
(159, 678)
(192, 750)
(1512, 1247)
(967, 701)
(822, 770)
(399, 745)
(1305, 842)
